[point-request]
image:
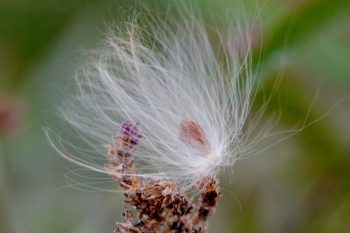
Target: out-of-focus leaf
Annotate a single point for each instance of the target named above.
(29, 28)
(300, 24)
(328, 56)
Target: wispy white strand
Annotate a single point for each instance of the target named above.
(160, 77)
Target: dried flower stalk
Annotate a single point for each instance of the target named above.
(159, 206)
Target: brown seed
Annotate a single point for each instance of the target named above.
(192, 134)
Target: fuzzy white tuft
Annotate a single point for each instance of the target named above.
(164, 75)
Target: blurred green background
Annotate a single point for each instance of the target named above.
(300, 185)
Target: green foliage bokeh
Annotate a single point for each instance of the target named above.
(299, 185)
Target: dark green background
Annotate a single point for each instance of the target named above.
(300, 185)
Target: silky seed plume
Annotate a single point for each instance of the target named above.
(164, 79)
(172, 108)
(180, 95)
